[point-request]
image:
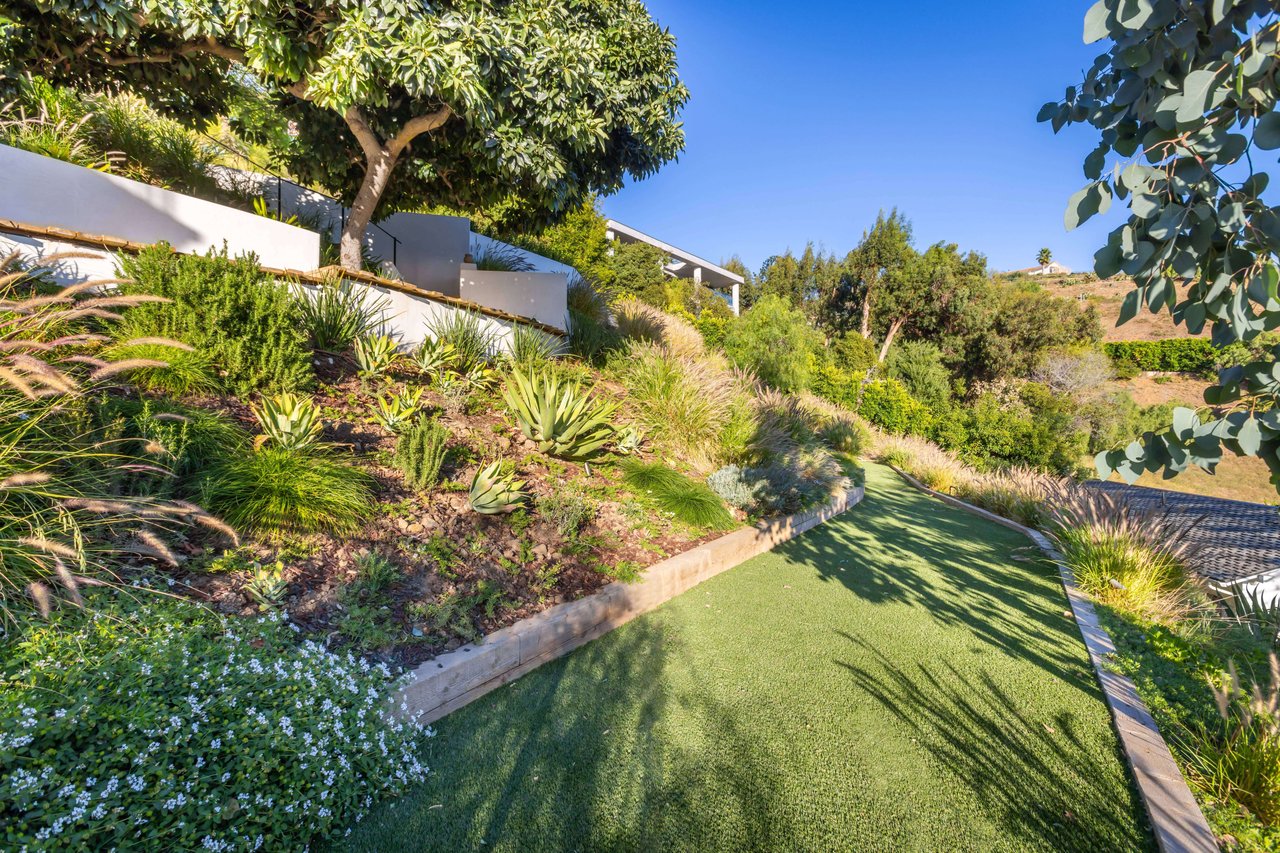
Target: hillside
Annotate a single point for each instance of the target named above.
(1106, 296)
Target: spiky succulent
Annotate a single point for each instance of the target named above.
(562, 419)
(375, 354)
(435, 356)
(289, 421)
(494, 491)
(395, 411)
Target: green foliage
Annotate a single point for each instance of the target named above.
(514, 127)
(1044, 257)
(172, 368)
(338, 313)
(918, 366)
(118, 710)
(737, 487)
(289, 421)
(1202, 238)
(395, 411)
(494, 491)
(375, 572)
(887, 404)
(375, 354)
(1178, 355)
(532, 348)
(278, 491)
(713, 328)
(774, 341)
(469, 335)
(637, 273)
(567, 510)
(560, 418)
(501, 257)
(853, 352)
(420, 452)
(435, 357)
(688, 500)
(267, 587)
(590, 337)
(577, 240)
(246, 322)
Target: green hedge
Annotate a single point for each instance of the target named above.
(885, 402)
(1177, 355)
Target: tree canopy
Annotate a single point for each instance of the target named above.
(1184, 103)
(468, 103)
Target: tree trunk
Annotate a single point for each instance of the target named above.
(865, 328)
(888, 338)
(376, 177)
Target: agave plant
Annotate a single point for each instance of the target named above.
(374, 355)
(289, 421)
(435, 356)
(395, 411)
(480, 378)
(494, 492)
(267, 586)
(628, 440)
(562, 419)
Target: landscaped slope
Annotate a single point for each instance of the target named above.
(895, 679)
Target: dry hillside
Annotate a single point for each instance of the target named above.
(1106, 296)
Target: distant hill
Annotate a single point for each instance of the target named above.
(1106, 296)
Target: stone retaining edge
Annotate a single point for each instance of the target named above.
(454, 679)
(1176, 819)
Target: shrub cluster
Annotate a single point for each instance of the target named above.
(174, 729)
(1176, 355)
(250, 325)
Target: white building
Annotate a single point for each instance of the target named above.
(682, 264)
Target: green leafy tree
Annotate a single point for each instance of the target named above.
(1184, 101)
(467, 102)
(1044, 257)
(775, 341)
(637, 271)
(878, 263)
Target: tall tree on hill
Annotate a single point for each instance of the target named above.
(1184, 101)
(463, 101)
(1044, 257)
(878, 264)
(932, 286)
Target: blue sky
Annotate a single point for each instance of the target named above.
(807, 118)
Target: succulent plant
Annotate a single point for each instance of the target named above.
(562, 419)
(494, 492)
(375, 354)
(628, 440)
(267, 586)
(289, 421)
(435, 356)
(395, 411)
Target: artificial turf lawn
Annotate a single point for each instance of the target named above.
(893, 680)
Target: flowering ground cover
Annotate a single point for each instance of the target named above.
(895, 679)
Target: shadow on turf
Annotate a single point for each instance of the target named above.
(974, 729)
(975, 575)
(569, 760)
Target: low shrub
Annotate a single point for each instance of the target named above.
(420, 452)
(887, 404)
(229, 310)
(775, 342)
(692, 502)
(171, 728)
(568, 510)
(1178, 355)
(277, 491)
(738, 487)
(468, 333)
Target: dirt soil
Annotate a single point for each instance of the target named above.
(458, 575)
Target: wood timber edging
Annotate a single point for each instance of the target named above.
(1177, 822)
(457, 678)
(317, 276)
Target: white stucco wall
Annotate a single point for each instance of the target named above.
(480, 244)
(540, 295)
(39, 190)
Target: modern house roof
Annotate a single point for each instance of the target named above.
(683, 264)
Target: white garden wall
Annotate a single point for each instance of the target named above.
(541, 295)
(39, 190)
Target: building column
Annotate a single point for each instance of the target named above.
(734, 301)
(697, 275)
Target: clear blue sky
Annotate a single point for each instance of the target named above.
(807, 118)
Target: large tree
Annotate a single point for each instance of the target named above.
(465, 101)
(879, 263)
(1184, 102)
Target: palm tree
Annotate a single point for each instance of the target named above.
(1044, 257)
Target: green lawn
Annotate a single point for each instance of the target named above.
(894, 680)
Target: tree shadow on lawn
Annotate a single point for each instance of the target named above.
(1042, 781)
(582, 755)
(901, 546)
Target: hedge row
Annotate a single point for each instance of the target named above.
(1179, 355)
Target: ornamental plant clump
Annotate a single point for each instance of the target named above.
(395, 411)
(374, 355)
(338, 313)
(171, 728)
(562, 420)
(420, 452)
(434, 357)
(288, 421)
(494, 491)
(1184, 99)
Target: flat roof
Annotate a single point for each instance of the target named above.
(716, 271)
